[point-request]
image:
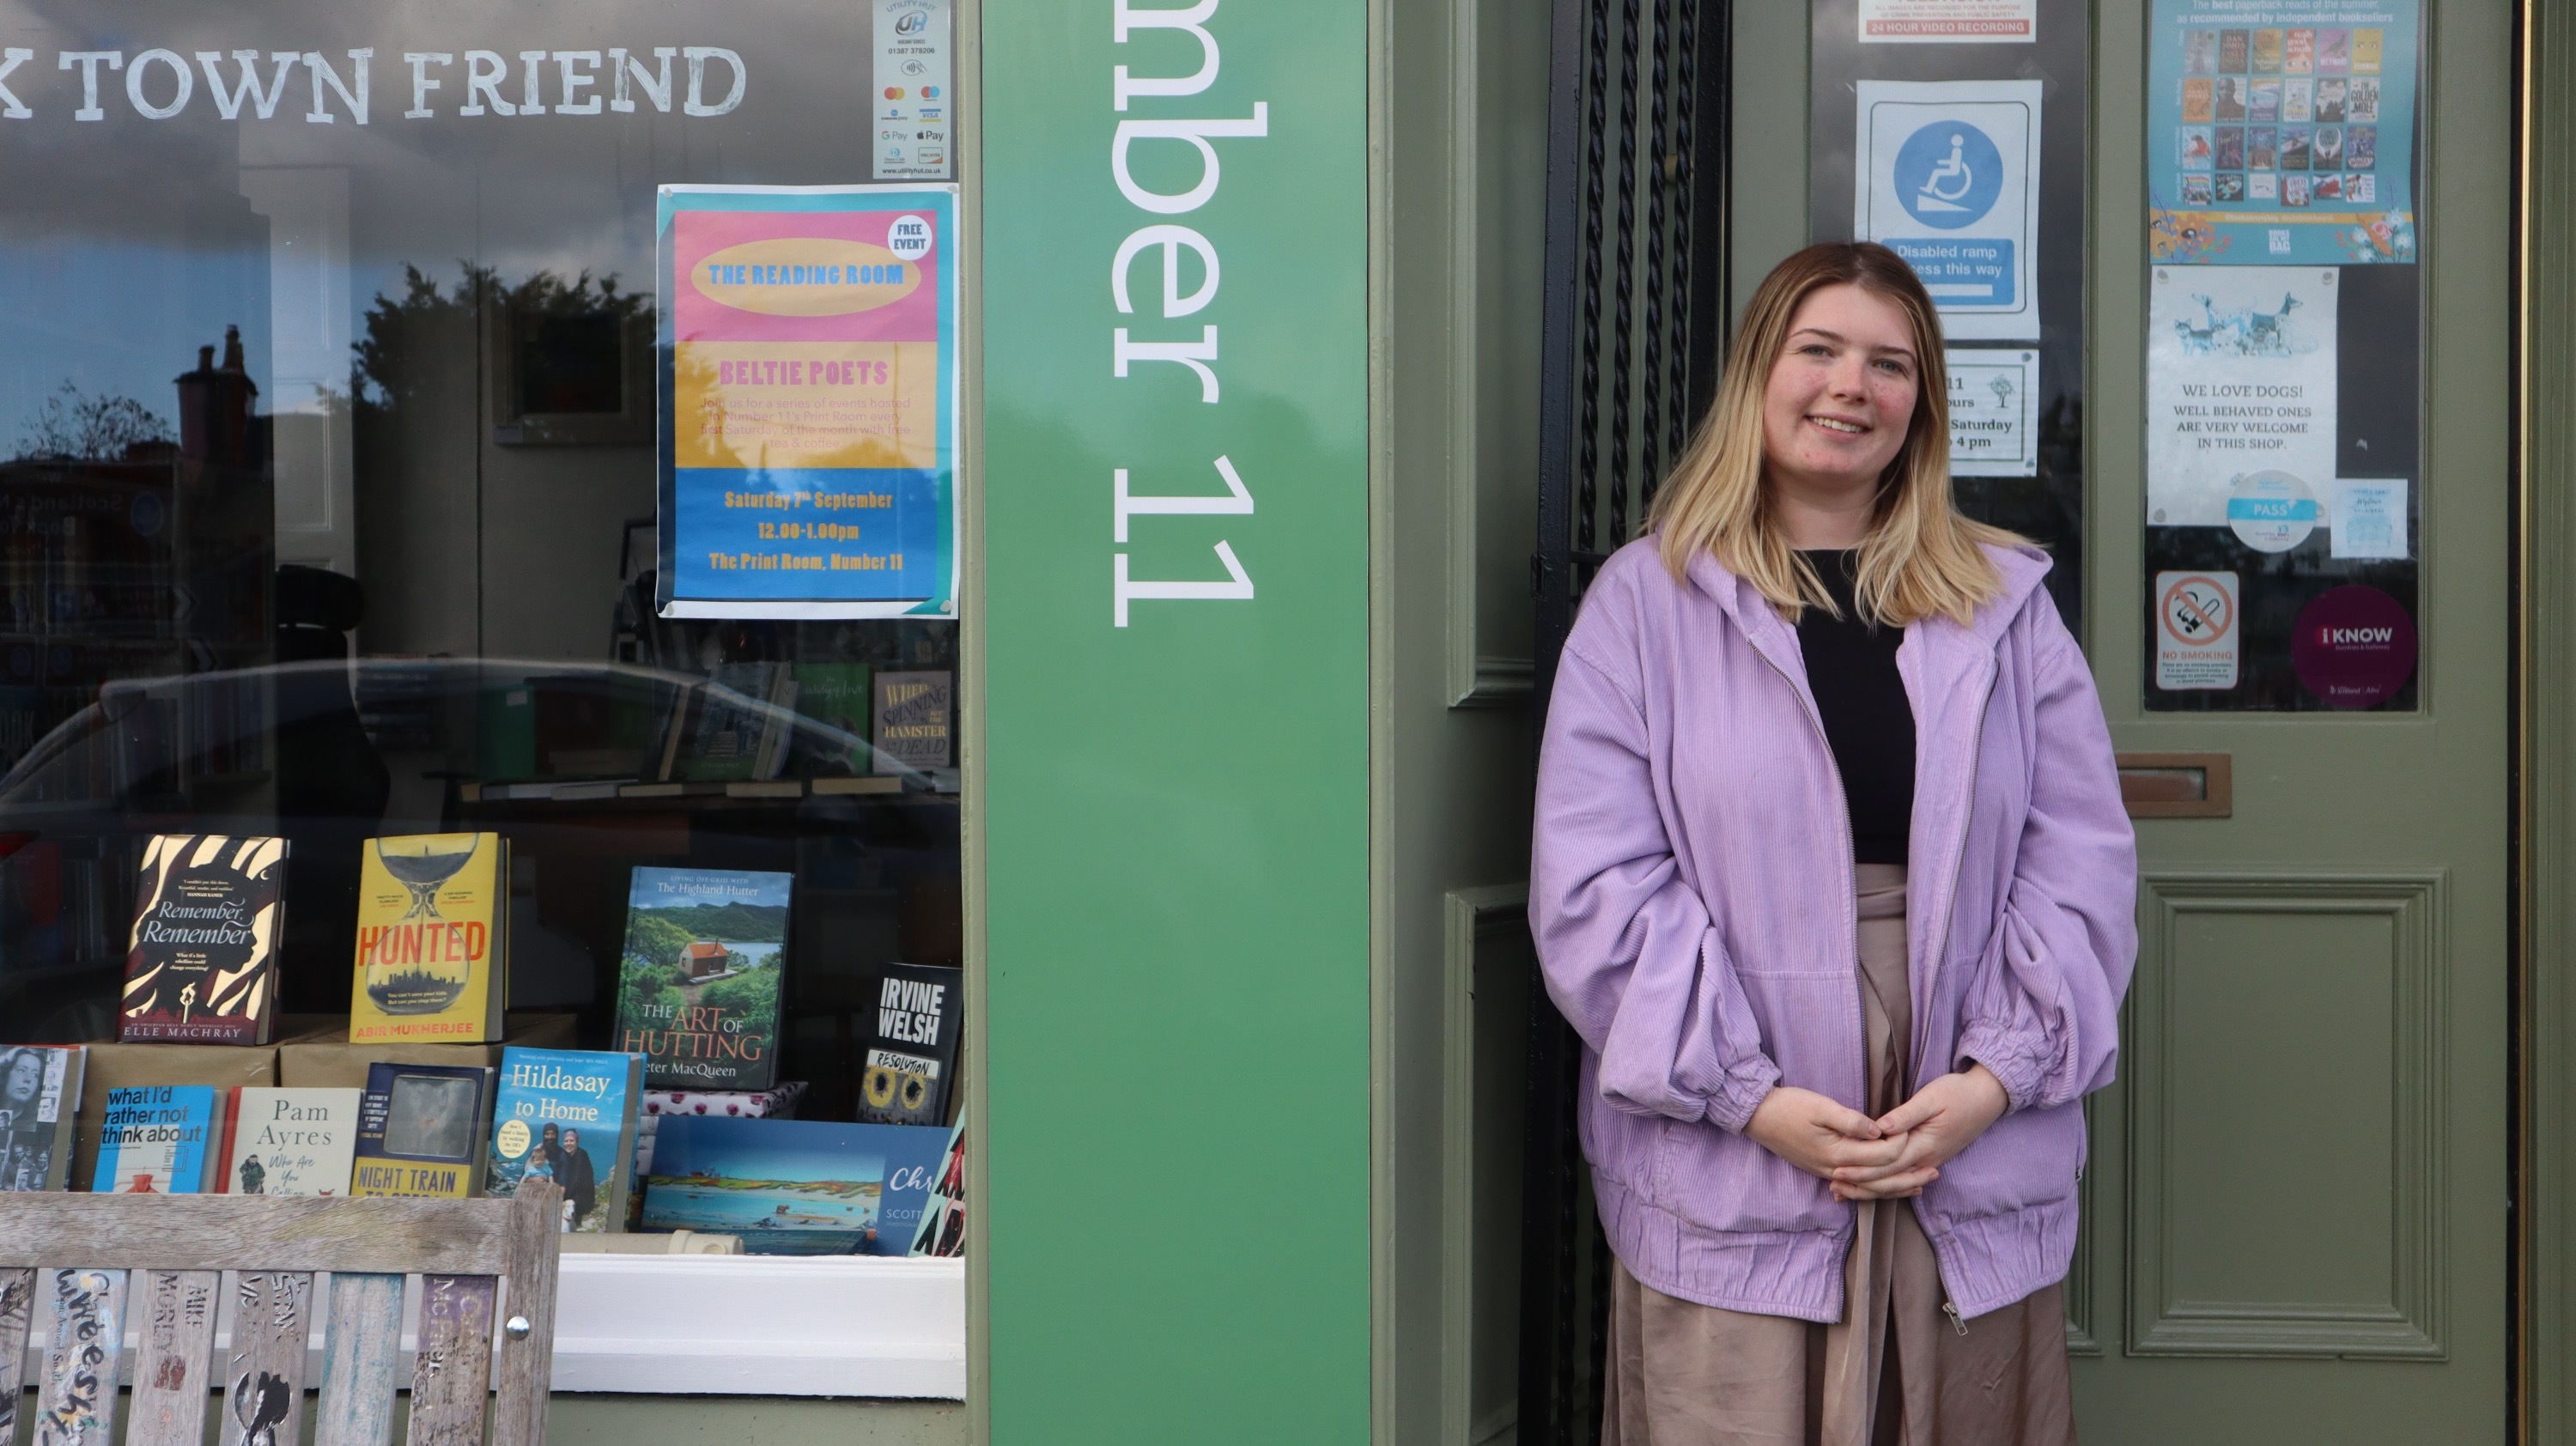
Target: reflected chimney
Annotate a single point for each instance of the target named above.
(215, 409)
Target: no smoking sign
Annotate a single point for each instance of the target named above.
(2195, 630)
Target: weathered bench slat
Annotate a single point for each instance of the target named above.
(361, 1356)
(214, 1232)
(528, 1356)
(77, 1406)
(264, 1382)
(453, 1366)
(17, 1308)
(171, 1379)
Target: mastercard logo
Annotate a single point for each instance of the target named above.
(894, 92)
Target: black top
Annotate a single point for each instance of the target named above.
(1851, 668)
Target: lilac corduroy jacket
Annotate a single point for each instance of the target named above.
(1692, 900)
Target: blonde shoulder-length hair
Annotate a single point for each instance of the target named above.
(1922, 557)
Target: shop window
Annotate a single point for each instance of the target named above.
(330, 512)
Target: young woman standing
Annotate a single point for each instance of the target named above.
(1832, 876)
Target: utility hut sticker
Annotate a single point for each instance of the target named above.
(808, 380)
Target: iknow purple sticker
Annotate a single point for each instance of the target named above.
(2354, 646)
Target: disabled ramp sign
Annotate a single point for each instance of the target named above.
(1947, 179)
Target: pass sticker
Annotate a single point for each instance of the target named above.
(2196, 630)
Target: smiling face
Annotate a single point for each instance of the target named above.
(1839, 402)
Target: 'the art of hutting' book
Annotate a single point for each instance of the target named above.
(568, 1115)
(157, 1140)
(908, 1058)
(433, 939)
(40, 1088)
(787, 1187)
(289, 1141)
(202, 966)
(420, 1130)
(699, 983)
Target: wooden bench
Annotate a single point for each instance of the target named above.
(164, 1262)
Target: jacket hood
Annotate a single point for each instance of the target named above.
(2020, 567)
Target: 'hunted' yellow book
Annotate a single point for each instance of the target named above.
(433, 936)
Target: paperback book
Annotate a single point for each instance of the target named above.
(836, 696)
(908, 1057)
(568, 1116)
(433, 939)
(787, 1187)
(40, 1088)
(289, 1141)
(913, 712)
(943, 1216)
(157, 1140)
(420, 1130)
(698, 985)
(201, 965)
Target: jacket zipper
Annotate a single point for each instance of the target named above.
(1851, 882)
(1949, 917)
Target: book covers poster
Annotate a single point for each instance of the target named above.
(787, 1187)
(699, 981)
(808, 366)
(1945, 178)
(2281, 134)
(202, 965)
(2241, 399)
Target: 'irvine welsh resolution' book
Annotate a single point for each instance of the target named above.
(699, 982)
(289, 1141)
(908, 1057)
(40, 1088)
(157, 1140)
(568, 1115)
(433, 939)
(202, 966)
(420, 1130)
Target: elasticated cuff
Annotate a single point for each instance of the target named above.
(2015, 1063)
(1731, 1108)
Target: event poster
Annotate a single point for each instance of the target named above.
(2241, 399)
(1946, 179)
(809, 379)
(2281, 134)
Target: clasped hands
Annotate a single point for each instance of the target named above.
(1887, 1158)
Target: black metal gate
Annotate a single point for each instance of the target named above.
(1635, 319)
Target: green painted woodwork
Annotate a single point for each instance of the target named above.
(1175, 844)
(2298, 1184)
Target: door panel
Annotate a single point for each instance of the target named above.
(2299, 1181)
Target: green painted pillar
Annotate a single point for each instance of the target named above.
(1176, 786)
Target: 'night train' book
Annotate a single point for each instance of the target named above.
(420, 1130)
(202, 966)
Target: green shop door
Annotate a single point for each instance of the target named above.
(2299, 1190)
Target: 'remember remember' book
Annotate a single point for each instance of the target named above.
(289, 1141)
(202, 965)
(568, 1116)
(420, 1130)
(433, 939)
(698, 985)
(158, 1140)
(40, 1087)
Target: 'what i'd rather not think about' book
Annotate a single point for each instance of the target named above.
(787, 1187)
(157, 1140)
(433, 935)
(568, 1116)
(289, 1141)
(203, 964)
(699, 983)
(420, 1130)
(40, 1087)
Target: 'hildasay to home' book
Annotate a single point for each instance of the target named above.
(40, 1088)
(289, 1141)
(787, 1187)
(568, 1116)
(699, 983)
(908, 1058)
(157, 1140)
(202, 966)
(420, 1130)
(433, 939)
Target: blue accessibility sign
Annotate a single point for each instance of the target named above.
(1948, 174)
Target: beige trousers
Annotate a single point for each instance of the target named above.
(1897, 1370)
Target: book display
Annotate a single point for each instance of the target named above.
(289, 1141)
(203, 961)
(433, 939)
(910, 1050)
(421, 1130)
(698, 990)
(159, 1140)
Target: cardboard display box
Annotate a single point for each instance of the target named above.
(314, 1049)
(123, 1066)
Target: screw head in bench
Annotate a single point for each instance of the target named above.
(517, 1326)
